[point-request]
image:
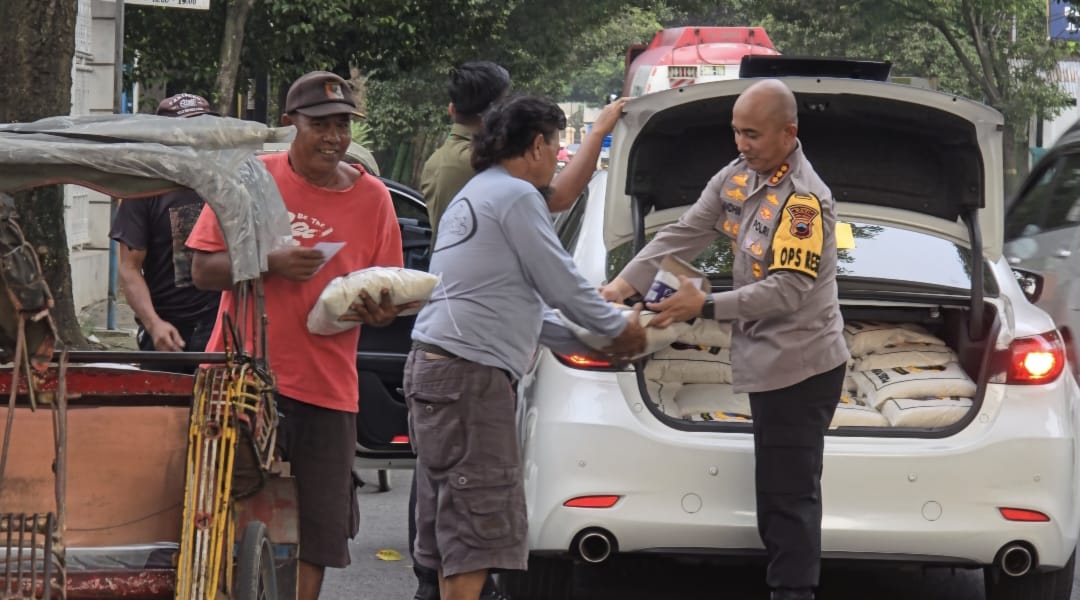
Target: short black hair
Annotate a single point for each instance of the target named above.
(511, 126)
(474, 86)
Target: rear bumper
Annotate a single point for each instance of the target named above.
(692, 492)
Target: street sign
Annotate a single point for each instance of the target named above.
(196, 4)
(1064, 20)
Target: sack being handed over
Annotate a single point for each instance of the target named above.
(405, 285)
(655, 339)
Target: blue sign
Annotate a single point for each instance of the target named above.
(1064, 20)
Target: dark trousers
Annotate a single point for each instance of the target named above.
(196, 335)
(789, 440)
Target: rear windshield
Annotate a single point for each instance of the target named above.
(880, 253)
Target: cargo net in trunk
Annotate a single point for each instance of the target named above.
(900, 375)
(33, 565)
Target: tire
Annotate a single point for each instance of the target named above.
(546, 579)
(1036, 585)
(255, 575)
(384, 480)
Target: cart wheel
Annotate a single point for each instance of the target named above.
(255, 576)
(384, 480)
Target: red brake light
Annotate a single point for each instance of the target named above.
(580, 361)
(1019, 514)
(400, 439)
(1036, 359)
(592, 501)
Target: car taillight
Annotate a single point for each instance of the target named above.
(1036, 359)
(1023, 515)
(592, 501)
(581, 361)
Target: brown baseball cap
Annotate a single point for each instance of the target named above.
(184, 105)
(320, 93)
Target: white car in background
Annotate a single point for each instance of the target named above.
(611, 469)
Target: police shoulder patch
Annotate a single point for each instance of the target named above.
(799, 237)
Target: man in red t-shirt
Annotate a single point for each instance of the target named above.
(329, 202)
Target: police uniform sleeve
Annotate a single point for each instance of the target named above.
(797, 244)
(799, 237)
(686, 238)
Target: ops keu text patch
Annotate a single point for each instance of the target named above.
(799, 236)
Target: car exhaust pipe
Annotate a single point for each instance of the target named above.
(1015, 560)
(595, 546)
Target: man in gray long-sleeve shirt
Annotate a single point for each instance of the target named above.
(500, 263)
(787, 346)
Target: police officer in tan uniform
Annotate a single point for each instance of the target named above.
(788, 350)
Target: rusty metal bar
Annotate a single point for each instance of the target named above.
(33, 565)
(7, 553)
(132, 356)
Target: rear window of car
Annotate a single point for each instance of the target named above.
(880, 253)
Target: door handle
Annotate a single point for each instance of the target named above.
(1063, 253)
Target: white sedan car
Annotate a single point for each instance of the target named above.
(658, 457)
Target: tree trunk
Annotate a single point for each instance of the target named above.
(36, 82)
(232, 45)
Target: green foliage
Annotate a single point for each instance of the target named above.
(598, 56)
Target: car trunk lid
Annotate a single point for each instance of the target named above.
(889, 153)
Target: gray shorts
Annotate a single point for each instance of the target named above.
(470, 496)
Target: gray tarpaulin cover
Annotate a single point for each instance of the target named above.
(132, 156)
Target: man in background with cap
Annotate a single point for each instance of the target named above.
(155, 267)
(328, 201)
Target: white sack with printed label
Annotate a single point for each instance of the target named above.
(707, 332)
(925, 412)
(905, 355)
(850, 412)
(690, 364)
(696, 401)
(663, 396)
(655, 339)
(878, 385)
(864, 337)
(405, 285)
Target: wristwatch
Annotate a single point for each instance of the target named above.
(708, 310)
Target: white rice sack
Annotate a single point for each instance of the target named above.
(655, 339)
(722, 416)
(878, 385)
(663, 396)
(925, 412)
(906, 355)
(707, 332)
(851, 412)
(850, 387)
(405, 285)
(697, 399)
(864, 337)
(690, 364)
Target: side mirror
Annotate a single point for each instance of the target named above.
(1030, 283)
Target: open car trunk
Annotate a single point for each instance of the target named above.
(908, 169)
(913, 373)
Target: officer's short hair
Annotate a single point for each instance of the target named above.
(511, 126)
(473, 86)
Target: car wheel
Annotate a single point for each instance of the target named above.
(255, 575)
(1036, 585)
(546, 579)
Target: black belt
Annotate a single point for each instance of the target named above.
(432, 348)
